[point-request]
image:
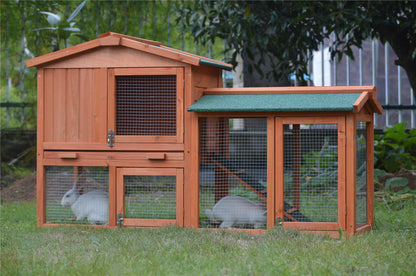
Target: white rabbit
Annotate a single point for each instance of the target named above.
(235, 210)
(92, 206)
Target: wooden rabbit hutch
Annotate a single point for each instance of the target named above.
(144, 136)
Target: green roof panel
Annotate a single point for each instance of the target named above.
(275, 102)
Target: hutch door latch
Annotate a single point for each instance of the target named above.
(119, 220)
(110, 138)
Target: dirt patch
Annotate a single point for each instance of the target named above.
(21, 190)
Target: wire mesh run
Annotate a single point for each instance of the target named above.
(233, 173)
(149, 197)
(76, 195)
(311, 171)
(146, 105)
(361, 199)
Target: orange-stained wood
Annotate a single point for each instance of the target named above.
(291, 90)
(361, 101)
(40, 184)
(279, 171)
(271, 151)
(351, 161)
(370, 172)
(321, 226)
(342, 204)
(112, 191)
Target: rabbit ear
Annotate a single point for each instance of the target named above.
(78, 183)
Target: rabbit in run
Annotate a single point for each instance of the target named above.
(92, 206)
(235, 211)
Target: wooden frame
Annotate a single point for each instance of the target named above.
(113, 73)
(279, 171)
(129, 222)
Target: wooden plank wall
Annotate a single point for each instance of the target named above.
(75, 104)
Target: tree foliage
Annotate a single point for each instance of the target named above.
(286, 31)
(26, 32)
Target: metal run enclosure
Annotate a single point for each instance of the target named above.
(135, 134)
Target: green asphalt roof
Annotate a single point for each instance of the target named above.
(275, 102)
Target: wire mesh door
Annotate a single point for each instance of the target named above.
(150, 197)
(233, 173)
(310, 186)
(361, 188)
(76, 195)
(148, 105)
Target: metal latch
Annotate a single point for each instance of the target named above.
(119, 219)
(110, 138)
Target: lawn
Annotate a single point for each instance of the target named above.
(390, 249)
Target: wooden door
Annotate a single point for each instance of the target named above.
(145, 106)
(310, 173)
(150, 197)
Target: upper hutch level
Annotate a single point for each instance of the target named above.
(118, 92)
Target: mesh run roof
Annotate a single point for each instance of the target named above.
(275, 102)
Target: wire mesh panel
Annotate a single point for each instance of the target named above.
(150, 196)
(311, 171)
(76, 195)
(361, 199)
(146, 105)
(233, 172)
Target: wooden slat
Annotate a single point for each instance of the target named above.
(128, 222)
(99, 118)
(271, 151)
(370, 172)
(179, 197)
(119, 147)
(59, 105)
(63, 53)
(85, 155)
(72, 105)
(279, 172)
(290, 90)
(112, 192)
(156, 156)
(86, 105)
(320, 226)
(68, 155)
(40, 186)
(360, 102)
(351, 156)
(179, 105)
(159, 51)
(342, 207)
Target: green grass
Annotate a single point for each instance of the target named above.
(390, 249)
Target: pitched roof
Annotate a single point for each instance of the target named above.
(115, 39)
(286, 99)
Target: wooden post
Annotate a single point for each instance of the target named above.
(351, 159)
(221, 177)
(370, 172)
(271, 151)
(279, 172)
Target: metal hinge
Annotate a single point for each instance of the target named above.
(110, 138)
(119, 219)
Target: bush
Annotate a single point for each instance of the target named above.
(395, 149)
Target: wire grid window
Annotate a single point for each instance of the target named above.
(146, 105)
(86, 192)
(149, 197)
(233, 173)
(361, 199)
(311, 172)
